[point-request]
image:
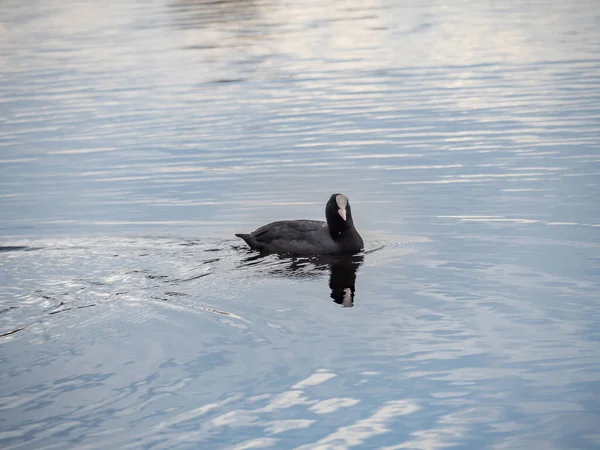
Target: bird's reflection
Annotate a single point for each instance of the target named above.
(342, 280)
(342, 271)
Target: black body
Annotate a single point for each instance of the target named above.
(336, 236)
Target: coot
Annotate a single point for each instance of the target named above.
(337, 236)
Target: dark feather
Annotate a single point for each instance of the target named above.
(308, 237)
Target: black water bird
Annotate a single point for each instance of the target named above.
(336, 236)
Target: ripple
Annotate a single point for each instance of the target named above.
(137, 138)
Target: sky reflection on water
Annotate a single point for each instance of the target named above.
(136, 138)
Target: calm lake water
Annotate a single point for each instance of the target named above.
(137, 137)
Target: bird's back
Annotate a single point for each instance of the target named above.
(300, 237)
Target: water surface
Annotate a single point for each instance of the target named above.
(136, 138)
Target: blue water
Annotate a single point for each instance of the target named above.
(137, 138)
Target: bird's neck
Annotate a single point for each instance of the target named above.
(339, 231)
